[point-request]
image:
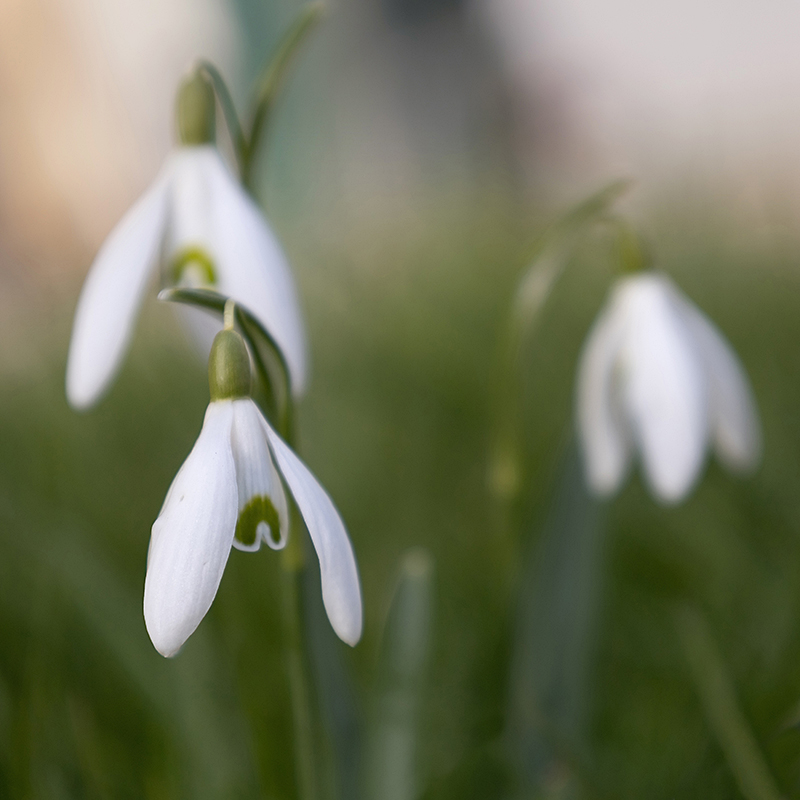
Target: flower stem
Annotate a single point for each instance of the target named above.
(228, 314)
(297, 666)
(235, 130)
(549, 260)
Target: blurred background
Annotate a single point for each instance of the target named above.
(419, 149)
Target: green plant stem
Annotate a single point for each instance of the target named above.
(270, 82)
(273, 386)
(247, 147)
(548, 263)
(306, 753)
(305, 750)
(240, 144)
(725, 718)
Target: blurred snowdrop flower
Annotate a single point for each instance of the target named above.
(656, 377)
(200, 224)
(230, 492)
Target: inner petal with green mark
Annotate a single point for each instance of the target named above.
(192, 267)
(259, 518)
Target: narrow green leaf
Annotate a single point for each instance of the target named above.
(339, 709)
(392, 758)
(726, 719)
(555, 636)
(271, 80)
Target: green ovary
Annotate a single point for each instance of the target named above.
(258, 510)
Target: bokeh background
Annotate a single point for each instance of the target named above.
(419, 150)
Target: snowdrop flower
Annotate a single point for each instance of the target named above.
(230, 492)
(198, 222)
(656, 377)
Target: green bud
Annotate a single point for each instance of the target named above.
(228, 367)
(631, 250)
(196, 110)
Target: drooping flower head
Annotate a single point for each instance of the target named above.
(230, 493)
(202, 228)
(656, 377)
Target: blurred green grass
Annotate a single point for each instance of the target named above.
(405, 329)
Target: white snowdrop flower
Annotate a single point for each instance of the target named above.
(230, 492)
(202, 227)
(657, 378)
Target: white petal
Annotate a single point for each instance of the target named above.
(735, 427)
(191, 539)
(256, 477)
(190, 204)
(664, 388)
(189, 229)
(112, 294)
(341, 592)
(604, 441)
(253, 269)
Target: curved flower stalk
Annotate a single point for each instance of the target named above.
(230, 492)
(202, 227)
(657, 377)
(550, 260)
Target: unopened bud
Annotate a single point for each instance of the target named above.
(196, 110)
(229, 367)
(632, 251)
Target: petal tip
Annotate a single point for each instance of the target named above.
(84, 382)
(602, 485)
(349, 632)
(166, 638)
(79, 396)
(740, 450)
(342, 601)
(673, 492)
(604, 468)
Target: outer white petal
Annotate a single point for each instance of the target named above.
(255, 473)
(604, 441)
(341, 591)
(253, 269)
(191, 539)
(735, 426)
(664, 388)
(112, 294)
